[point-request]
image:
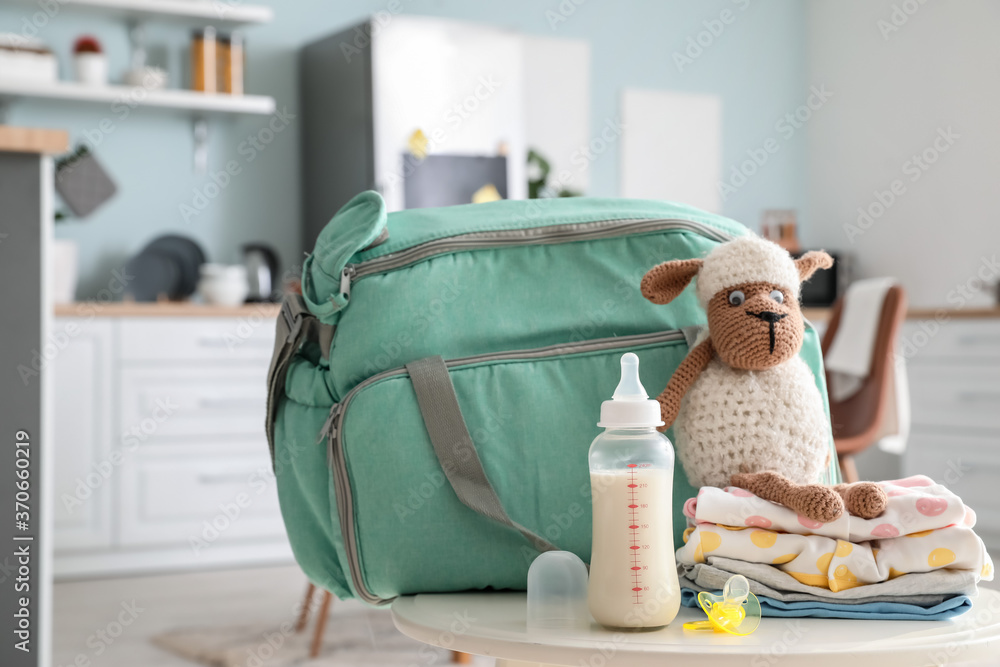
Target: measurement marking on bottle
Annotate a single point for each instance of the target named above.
(633, 526)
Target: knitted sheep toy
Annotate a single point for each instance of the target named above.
(746, 408)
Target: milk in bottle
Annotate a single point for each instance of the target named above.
(633, 576)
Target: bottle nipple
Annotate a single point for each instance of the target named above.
(630, 405)
(629, 387)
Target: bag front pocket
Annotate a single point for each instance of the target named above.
(531, 416)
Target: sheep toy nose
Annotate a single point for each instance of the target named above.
(771, 318)
(768, 316)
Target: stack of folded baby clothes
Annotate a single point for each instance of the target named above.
(919, 559)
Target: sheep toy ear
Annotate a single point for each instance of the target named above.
(811, 262)
(664, 282)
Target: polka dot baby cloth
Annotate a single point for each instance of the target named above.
(915, 504)
(925, 527)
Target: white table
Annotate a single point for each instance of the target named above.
(493, 624)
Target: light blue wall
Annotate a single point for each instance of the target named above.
(756, 65)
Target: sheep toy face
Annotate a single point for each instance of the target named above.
(749, 288)
(755, 325)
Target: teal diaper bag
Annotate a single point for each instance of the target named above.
(436, 387)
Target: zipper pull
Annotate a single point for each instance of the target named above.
(329, 430)
(345, 281)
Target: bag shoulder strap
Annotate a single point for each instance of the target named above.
(295, 325)
(455, 449)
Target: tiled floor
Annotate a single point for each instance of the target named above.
(87, 612)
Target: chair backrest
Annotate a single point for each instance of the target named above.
(856, 420)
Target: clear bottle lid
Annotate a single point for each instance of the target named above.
(557, 591)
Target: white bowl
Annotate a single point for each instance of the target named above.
(149, 78)
(224, 285)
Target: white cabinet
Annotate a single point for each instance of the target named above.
(161, 420)
(954, 371)
(178, 402)
(81, 374)
(198, 500)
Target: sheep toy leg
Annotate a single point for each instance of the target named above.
(813, 501)
(864, 499)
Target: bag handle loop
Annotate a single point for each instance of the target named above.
(455, 449)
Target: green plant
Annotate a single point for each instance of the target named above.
(537, 186)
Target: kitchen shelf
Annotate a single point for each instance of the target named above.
(218, 13)
(190, 101)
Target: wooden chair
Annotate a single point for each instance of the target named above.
(324, 611)
(857, 420)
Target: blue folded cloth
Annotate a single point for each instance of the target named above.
(888, 611)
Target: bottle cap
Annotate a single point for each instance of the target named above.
(557, 592)
(630, 406)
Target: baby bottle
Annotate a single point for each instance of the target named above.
(633, 576)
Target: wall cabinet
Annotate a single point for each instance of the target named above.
(161, 458)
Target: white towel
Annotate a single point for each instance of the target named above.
(849, 358)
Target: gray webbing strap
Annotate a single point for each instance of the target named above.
(295, 325)
(454, 447)
(691, 334)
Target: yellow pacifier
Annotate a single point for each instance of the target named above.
(736, 611)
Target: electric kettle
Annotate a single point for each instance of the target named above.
(262, 273)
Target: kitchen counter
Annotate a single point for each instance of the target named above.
(33, 140)
(164, 309)
(192, 309)
(823, 314)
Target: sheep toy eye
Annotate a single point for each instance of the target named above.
(777, 296)
(736, 298)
